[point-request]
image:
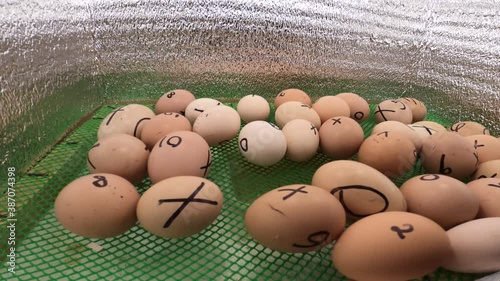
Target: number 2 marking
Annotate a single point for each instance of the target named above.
(401, 232)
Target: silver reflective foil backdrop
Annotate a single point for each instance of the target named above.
(450, 47)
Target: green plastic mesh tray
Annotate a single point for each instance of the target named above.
(223, 251)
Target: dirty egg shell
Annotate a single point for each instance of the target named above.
(391, 246)
(122, 155)
(340, 137)
(291, 110)
(393, 110)
(487, 191)
(361, 189)
(490, 169)
(179, 206)
(180, 153)
(253, 108)
(475, 247)
(98, 205)
(198, 106)
(218, 124)
(391, 153)
(358, 106)
(128, 119)
(292, 95)
(469, 128)
(262, 143)
(331, 106)
(488, 147)
(162, 125)
(395, 126)
(295, 219)
(174, 101)
(443, 199)
(302, 140)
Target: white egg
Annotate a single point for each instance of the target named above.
(253, 108)
(198, 106)
(218, 124)
(302, 140)
(296, 110)
(128, 120)
(262, 143)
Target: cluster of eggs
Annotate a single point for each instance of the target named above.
(426, 219)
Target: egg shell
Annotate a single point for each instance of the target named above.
(120, 154)
(180, 153)
(292, 95)
(128, 119)
(340, 137)
(174, 101)
(393, 110)
(490, 169)
(424, 131)
(469, 128)
(302, 140)
(418, 108)
(395, 126)
(475, 247)
(391, 246)
(487, 191)
(443, 199)
(218, 125)
(295, 219)
(162, 125)
(358, 106)
(488, 147)
(253, 108)
(449, 154)
(391, 153)
(361, 189)
(179, 206)
(262, 143)
(98, 205)
(432, 125)
(331, 106)
(198, 106)
(291, 110)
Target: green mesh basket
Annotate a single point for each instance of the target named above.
(223, 251)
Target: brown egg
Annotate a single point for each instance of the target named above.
(218, 124)
(122, 155)
(490, 169)
(361, 189)
(340, 137)
(391, 246)
(179, 206)
(488, 147)
(296, 110)
(359, 107)
(395, 126)
(393, 110)
(302, 140)
(295, 219)
(449, 154)
(418, 109)
(162, 125)
(331, 106)
(292, 95)
(468, 129)
(198, 106)
(391, 153)
(487, 191)
(97, 206)
(425, 129)
(129, 119)
(174, 101)
(180, 153)
(443, 199)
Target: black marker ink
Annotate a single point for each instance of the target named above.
(429, 177)
(313, 239)
(381, 111)
(100, 181)
(442, 169)
(174, 141)
(138, 123)
(170, 95)
(401, 232)
(341, 189)
(244, 144)
(293, 191)
(113, 115)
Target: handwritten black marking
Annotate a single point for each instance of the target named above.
(185, 202)
(401, 232)
(244, 144)
(313, 128)
(293, 191)
(336, 120)
(359, 115)
(161, 142)
(170, 95)
(386, 133)
(381, 111)
(96, 145)
(174, 141)
(476, 155)
(313, 239)
(90, 162)
(113, 115)
(457, 126)
(429, 130)
(494, 185)
(100, 181)
(208, 164)
(341, 189)
(138, 123)
(485, 176)
(476, 145)
(199, 110)
(274, 209)
(282, 94)
(442, 169)
(426, 177)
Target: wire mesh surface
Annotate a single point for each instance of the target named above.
(223, 251)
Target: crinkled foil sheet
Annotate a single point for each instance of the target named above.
(452, 47)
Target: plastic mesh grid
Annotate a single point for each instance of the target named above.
(223, 251)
